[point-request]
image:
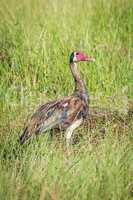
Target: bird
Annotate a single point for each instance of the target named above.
(66, 113)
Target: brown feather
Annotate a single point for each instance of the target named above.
(61, 113)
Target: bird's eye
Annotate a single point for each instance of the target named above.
(77, 54)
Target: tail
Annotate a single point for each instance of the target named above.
(24, 136)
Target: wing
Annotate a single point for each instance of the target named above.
(61, 112)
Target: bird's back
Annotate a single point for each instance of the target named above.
(61, 113)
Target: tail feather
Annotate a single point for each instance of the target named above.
(27, 133)
(24, 136)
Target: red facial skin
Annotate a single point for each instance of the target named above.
(83, 57)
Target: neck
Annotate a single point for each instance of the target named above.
(79, 84)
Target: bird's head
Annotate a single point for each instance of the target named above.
(79, 56)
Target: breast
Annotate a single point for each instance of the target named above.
(76, 109)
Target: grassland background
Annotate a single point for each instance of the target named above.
(36, 39)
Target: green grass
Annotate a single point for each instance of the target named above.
(36, 39)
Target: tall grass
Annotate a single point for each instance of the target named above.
(36, 39)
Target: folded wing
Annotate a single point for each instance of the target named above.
(59, 113)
